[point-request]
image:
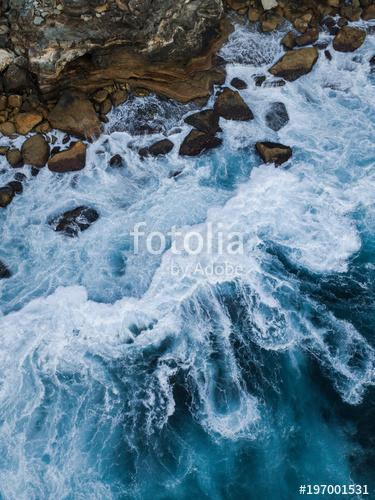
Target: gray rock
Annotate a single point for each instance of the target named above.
(277, 116)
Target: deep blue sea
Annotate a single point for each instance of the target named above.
(120, 380)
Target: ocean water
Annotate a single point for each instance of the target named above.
(122, 380)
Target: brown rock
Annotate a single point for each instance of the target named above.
(197, 142)
(230, 105)
(35, 151)
(43, 127)
(75, 114)
(25, 122)
(295, 63)
(273, 152)
(351, 12)
(6, 196)
(70, 160)
(348, 39)
(15, 101)
(105, 106)
(254, 14)
(302, 23)
(369, 12)
(3, 102)
(270, 21)
(308, 38)
(7, 128)
(118, 97)
(100, 96)
(289, 40)
(3, 150)
(14, 158)
(206, 121)
(159, 148)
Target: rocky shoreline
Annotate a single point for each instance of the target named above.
(66, 65)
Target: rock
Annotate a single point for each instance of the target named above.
(14, 158)
(269, 4)
(277, 116)
(254, 14)
(368, 12)
(197, 142)
(230, 105)
(308, 38)
(16, 187)
(6, 58)
(20, 177)
(70, 160)
(238, 84)
(6, 196)
(3, 150)
(73, 221)
(105, 107)
(116, 161)
(35, 151)
(351, 13)
(118, 97)
(289, 40)
(159, 148)
(4, 271)
(259, 80)
(7, 128)
(302, 23)
(75, 114)
(270, 21)
(170, 31)
(295, 63)
(25, 122)
(3, 102)
(100, 96)
(15, 101)
(272, 152)
(328, 55)
(205, 121)
(16, 79)
(348, 39)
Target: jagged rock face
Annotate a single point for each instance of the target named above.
(51, 34)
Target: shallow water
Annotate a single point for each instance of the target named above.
(120, 380)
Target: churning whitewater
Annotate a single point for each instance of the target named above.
(122, 379)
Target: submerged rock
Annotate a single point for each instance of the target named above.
(348, 39)
(6, 196)
(70, 160)
(273, 152)
(277, 116)
(205, 121)
(15, 186)
(73, 221)
(159, 148)
(35, 151)
(75, 114)
(230, 105)
(4, 271)
(197, 142)
(295, 63)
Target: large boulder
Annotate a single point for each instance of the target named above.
(348, 39)
(70, 160)
(205, 121)
(277, 116)
(72, 222)
(6, 58)
(295, 63)
(4, 271)
(6, 196)
(35, 151)
(159, 148)
(230, 105)
(273, 152)
(75, 114)
(197, 142)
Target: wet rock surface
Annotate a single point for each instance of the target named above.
(349, 39)
(4, 271)
(230, 105)
(276, 116)
(273, 152)
(197, 142)
(159, 148)
(295, 63)
(72, 222)
(70, 160)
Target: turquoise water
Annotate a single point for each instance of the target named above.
(119, 380)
